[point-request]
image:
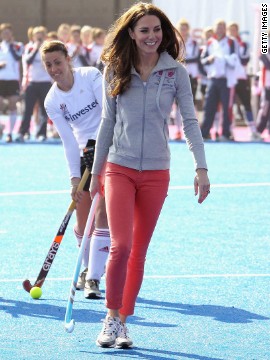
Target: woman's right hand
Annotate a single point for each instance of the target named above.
(75, 194)
(96, 186)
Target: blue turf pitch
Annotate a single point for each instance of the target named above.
(205, 295)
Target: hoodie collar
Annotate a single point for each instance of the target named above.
(165, 62)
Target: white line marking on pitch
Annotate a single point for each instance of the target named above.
(173, 187)
(222, 186)
(24, 193)
(188, 276)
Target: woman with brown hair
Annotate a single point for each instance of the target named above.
(142, 79)
(74, 105)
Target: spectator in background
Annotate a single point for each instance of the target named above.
(63, 33)
(220, 57)
(52, 35)
(191, 61)
(10, 57)
(242, 88)
(28, 45)
(39, 83)
(86, 35)
(207, 34)
(86, 43)
(25, 78)
(263, 117)
(192, 54)
(98, 36)
(77, 52)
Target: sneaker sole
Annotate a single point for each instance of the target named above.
(79, 288)
(104, 345)
(93, 296)
(123, 346)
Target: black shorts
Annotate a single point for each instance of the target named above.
(83, 167)
(9, 88)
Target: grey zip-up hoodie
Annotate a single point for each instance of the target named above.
(134, 127)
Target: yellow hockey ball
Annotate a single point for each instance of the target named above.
(36, 292)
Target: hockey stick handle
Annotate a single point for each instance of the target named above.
(69, 323)
(84, 178)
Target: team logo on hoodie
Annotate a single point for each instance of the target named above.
(169, 77)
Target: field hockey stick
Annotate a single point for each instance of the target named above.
(70, 323)
(56, 241)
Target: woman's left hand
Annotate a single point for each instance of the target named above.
(201, 185)
(96, 186)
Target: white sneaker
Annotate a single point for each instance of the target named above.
(123, 341)
(91, 289)
(109, 332)
(81, 280)
(255, 136)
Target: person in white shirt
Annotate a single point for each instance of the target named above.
(76, 50)
(86, 35)
(242, 88)
(63, 33)
(192, 54)
(10, 58)
(220, 57)
(74, 104)
(98, 36)
(37, 87)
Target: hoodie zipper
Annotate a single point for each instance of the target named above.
(143, 122)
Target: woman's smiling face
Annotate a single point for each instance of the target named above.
(147, 34)
(57, 65)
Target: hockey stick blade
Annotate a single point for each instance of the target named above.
(56, 242)
(28, 286)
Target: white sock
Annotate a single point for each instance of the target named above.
(252, 126)
(87, 247)
(12, 120)
(217, 121)
(99, 251)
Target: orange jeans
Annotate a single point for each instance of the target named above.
(133, 202)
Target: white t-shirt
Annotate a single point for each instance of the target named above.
(36, 70)
(95, 53)
(76, 113)
(11, 71)
(192, 51)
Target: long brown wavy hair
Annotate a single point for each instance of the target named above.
(120, 52)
